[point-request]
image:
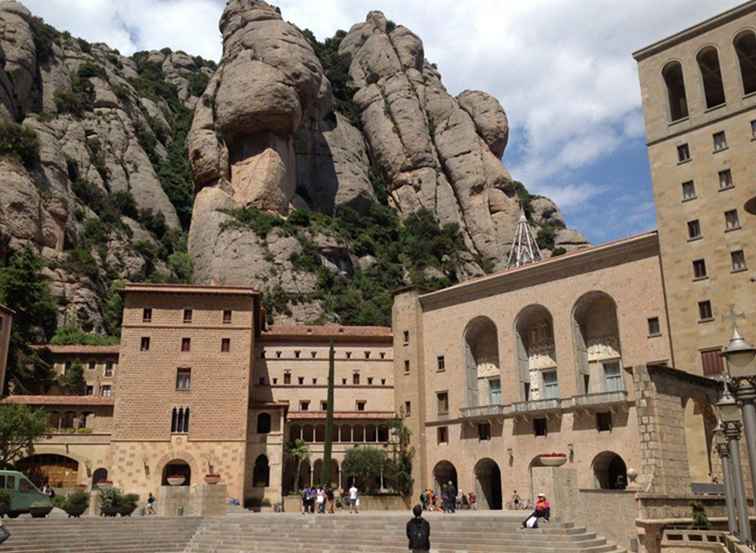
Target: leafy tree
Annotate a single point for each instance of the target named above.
(24, 289)
(113, 308)
(181, 265)
(20, 427)
(71, 335)
(364, 465)
(74, 382)
(298, 451)
(399, 469)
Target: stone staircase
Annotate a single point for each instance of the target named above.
(100, 535)
(385, 533)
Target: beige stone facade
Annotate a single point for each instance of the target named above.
(699, 101)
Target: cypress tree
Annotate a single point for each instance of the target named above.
(325, 476)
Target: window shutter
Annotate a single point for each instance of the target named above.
(712, 363)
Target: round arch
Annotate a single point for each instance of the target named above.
(596, 340)
(672, 73)
(176, 467)
(481, 347)
(99, 475)
(488, 484)
(535, 352)
(261, 472)
(55, 470)
(711, 76)
(609, 471)
(443, 473)
(263, 423)
(745, 47)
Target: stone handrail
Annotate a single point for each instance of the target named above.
(495, 410)
(541, 405)
(537, 405)
(713, 540)
(601, 398)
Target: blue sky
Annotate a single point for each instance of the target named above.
(563, 71)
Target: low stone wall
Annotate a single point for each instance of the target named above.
(611, 513)
(293, 503)
(199, 500)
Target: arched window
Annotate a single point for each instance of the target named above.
(263, 423)
(745, 46)
(678, 102)
(261, 472)
(180, 420)
(100, 475)
(711, 75)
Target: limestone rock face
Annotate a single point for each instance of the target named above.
(19, 56)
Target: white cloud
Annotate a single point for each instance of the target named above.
(562, 69)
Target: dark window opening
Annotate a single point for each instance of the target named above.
(745, 46)
(540, 427)
(678, 102)
(711, 74)
(604, 422)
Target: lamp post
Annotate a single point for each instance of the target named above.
(724, 457)
(729, 414)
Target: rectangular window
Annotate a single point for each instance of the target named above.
(314, 381)
(106, 391)
(484, 431)
(304, 405)
(227, 317)
(109, 368)
(654, 328)
(383, 381)
(613, 377)
(186, 344)
(712, 362)
(540, 427)
(356, 379)
(147, 315)
(725, 180)
(90, 390)
(313, 354)
(738, 261)
(183, 380)
(287, 378)
(370, 380)
(732, 221)
(550, 385)
(300, 380)
(683, 153)
(67, 365)
(442, 435)
(753, 129)
(407, 408)
(699, 268)
(688, 190)
(324, 406)
(261, 381)
(361, 403)
(694, 229)
(297, 353)
(275, 380)
(406, 367)
(180, 420)
(343, 381)
(145, 344)
(225, 345)
(92, 365)
(440, 363)
(406, 337)
(187, 316)
(442, 403)
(494, 391)
(720, 141)
(604, 422)
(367, 355)
(704, 311)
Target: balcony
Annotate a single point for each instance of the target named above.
(536, 407)
(601, 400)
(485, 411)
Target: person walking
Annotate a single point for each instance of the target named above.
(330, 499)
(320, 500)
(418, 532)
(451, 497)
(150, 510)
(354, 499)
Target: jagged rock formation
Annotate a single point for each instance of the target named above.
(98, 131)
(284, 126)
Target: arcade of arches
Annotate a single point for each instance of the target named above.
(482, 362)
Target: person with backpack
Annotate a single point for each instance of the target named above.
(418, 531)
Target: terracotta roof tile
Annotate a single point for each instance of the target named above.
(341, 415)
(79, 349)
(59, 400)
(328, 331)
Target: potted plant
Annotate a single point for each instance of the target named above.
(176, 479)
(212, 479)
(128, 504)
(552, 459)
(40, 509)
(76, 504)
(5, 503)
(110, 500)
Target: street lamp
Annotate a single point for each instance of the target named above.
(740, 356)
(720, 444)
(729, 416)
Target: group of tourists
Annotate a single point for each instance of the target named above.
(322, 500)
(448, 500)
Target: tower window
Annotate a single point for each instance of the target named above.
(704, 311)
(184, 380)
(442, 403)
(654, 328)
(732, 222)
(440, 363)
(688, 190)
(187, 316)
(745, 46)
(287, 378)
(738, 261)
(720, 141)
(147, 315)
(442, 435)
(225, 345)
(186, 344)
(699, 269)
(711, 74)
(725, 180)
(227, 317)
(540, 427)
(144, 344)
(678, 103)
(604, 422)
(683, 153)
(694, 229)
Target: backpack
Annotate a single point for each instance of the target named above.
(418, 535)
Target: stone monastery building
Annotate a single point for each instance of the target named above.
(605, 354)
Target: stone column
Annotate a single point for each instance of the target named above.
(732, 431)
(745, 393)
(724, 456)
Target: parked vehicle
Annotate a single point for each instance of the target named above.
(24, 496)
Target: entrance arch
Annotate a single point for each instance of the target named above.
(177, 467)
(261, 472)
(443, 473)
(54, 470)
(609, 471)
(488, 484)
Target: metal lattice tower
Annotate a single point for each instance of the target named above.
(524, 247)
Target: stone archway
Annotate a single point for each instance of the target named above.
(443, 473)
(100, 475)
(57, 471)
(177, 467)
(609, 471)
(488, 484)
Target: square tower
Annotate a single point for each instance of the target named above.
(699, 101)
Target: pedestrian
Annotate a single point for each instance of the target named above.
(515, 501)
(418, 531)
(320, 500)
(423, 500)
(473, 500)
(542, 510)
(451, 497)
(354, 499)
(150, 510)
(304, 500)
(331, 500)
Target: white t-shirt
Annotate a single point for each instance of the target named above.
(352, 493)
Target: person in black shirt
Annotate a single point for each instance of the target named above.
(418, 532)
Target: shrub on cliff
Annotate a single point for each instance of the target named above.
(20, 142)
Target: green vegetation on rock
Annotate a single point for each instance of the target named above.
(70, 335)
(19, 142)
